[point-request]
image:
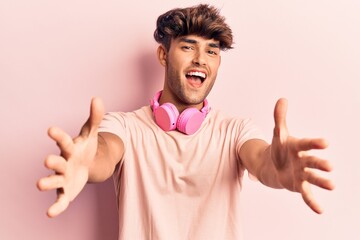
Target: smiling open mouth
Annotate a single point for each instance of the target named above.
(196, 78)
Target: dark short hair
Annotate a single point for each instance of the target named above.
(201, 20)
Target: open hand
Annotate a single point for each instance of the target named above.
(295, 166)
(71, 168)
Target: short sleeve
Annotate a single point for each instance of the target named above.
(114, 122)
(247, 130)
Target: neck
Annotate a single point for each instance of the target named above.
(168, 98)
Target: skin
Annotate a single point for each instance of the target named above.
(189, 53)
(92, 156)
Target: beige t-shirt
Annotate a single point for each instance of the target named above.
(172, 186)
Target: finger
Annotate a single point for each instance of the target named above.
(51, 182)
(62, 139)
(56, 163)
(306, 144)
(59, 206)
(95, 118)
(316, 163)
(309, 199)
(317, 180)
(280, 117)
(96, 111)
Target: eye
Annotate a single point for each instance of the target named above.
(186, 48)
(212, 52)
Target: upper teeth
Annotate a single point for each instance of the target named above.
(197, 74)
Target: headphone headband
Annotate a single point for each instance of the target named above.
(168, 118)
(155, 103)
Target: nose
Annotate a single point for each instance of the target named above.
(199, 59)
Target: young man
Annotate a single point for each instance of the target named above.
(177, 165)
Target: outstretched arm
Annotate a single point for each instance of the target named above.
(90, 157)
(286, 163)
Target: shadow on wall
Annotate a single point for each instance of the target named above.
(107, 215)
(151, 73)
(149, 77)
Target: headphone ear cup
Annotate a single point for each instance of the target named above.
(190, 121)
(166, 116)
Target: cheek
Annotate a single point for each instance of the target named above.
(215, 67)
(178, 67)
(174, 63)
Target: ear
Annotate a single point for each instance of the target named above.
(162, 54)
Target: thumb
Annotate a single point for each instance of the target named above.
(280, 117)
(95, 117)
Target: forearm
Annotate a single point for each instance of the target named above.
(109, 152)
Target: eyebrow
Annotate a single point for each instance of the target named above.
(192, 41)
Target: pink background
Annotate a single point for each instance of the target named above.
(56, 55)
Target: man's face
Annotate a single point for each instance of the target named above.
(192, 64)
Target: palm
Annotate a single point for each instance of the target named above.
(78, 158)
(292, 161)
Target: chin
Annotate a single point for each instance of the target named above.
(195, 98)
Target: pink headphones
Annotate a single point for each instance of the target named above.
(167, 116)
